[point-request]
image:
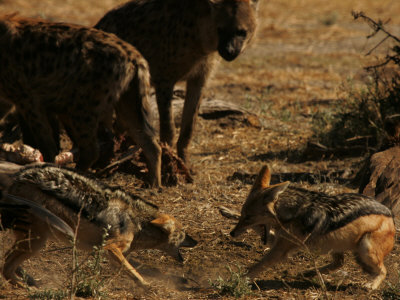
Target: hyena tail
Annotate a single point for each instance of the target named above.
(143, 90)
(372, 249)
(133, 113)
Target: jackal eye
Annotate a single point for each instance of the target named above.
(241, 33)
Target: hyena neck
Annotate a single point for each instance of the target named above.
(80, 192)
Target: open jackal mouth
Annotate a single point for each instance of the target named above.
(264, 234)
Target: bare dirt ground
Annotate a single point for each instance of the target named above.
(304, 51)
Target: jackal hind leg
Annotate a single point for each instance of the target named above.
(117, 255)
(370, 254)
(30, 281)
(338, 261)
(279, 251)
(26, 246)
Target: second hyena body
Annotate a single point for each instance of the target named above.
(181, 40)
(77, 75)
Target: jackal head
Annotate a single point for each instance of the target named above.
(236, 25)
(258, 212)
(165, 233)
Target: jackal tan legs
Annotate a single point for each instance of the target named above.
(372, 249)
(277, 253)
(338, 261)
(116, 253)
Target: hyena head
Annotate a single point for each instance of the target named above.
(258, 210)
(7, 27)
(236, 25)
(168, 236)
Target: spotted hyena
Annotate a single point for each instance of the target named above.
(78, 76)
(180, 40)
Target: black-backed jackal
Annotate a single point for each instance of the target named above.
(89, 208)
(332, 224)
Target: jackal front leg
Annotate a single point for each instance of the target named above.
(117, 254)
(338, 261)
(278, 252)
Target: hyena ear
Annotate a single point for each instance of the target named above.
(270, 195)
(263, 179)
(165, 222)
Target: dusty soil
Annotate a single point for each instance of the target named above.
(304, 51)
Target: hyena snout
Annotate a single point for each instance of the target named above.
(231, 44)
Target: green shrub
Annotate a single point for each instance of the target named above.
(362, 115)
(236, 285)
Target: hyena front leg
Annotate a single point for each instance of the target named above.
(29, 137)
(194, 87)
(39, 126)
(164, 94)
(82, 129)
(279, 251)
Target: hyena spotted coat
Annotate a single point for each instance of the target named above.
(181, 40)
(90, 209)
(77, 75)
(334, 224)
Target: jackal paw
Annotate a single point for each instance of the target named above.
(371, 285)
(26, 278)
(145, 286)
(309, 273)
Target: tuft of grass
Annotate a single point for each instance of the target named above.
(360, 117)
(48, 295)
(366, 114)
(89, 276)
(392, 292)
(237, 285)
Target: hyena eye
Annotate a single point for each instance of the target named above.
(241, 33)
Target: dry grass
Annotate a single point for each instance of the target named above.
(304, 51)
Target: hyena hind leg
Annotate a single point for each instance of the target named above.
(84, 137)
(133, 115)
(338, 261)
(370, 255)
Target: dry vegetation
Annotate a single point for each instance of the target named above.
(304, 52)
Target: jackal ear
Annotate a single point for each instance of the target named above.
(263, 179)
(271, 194)
(255, 3)
(165, 222)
